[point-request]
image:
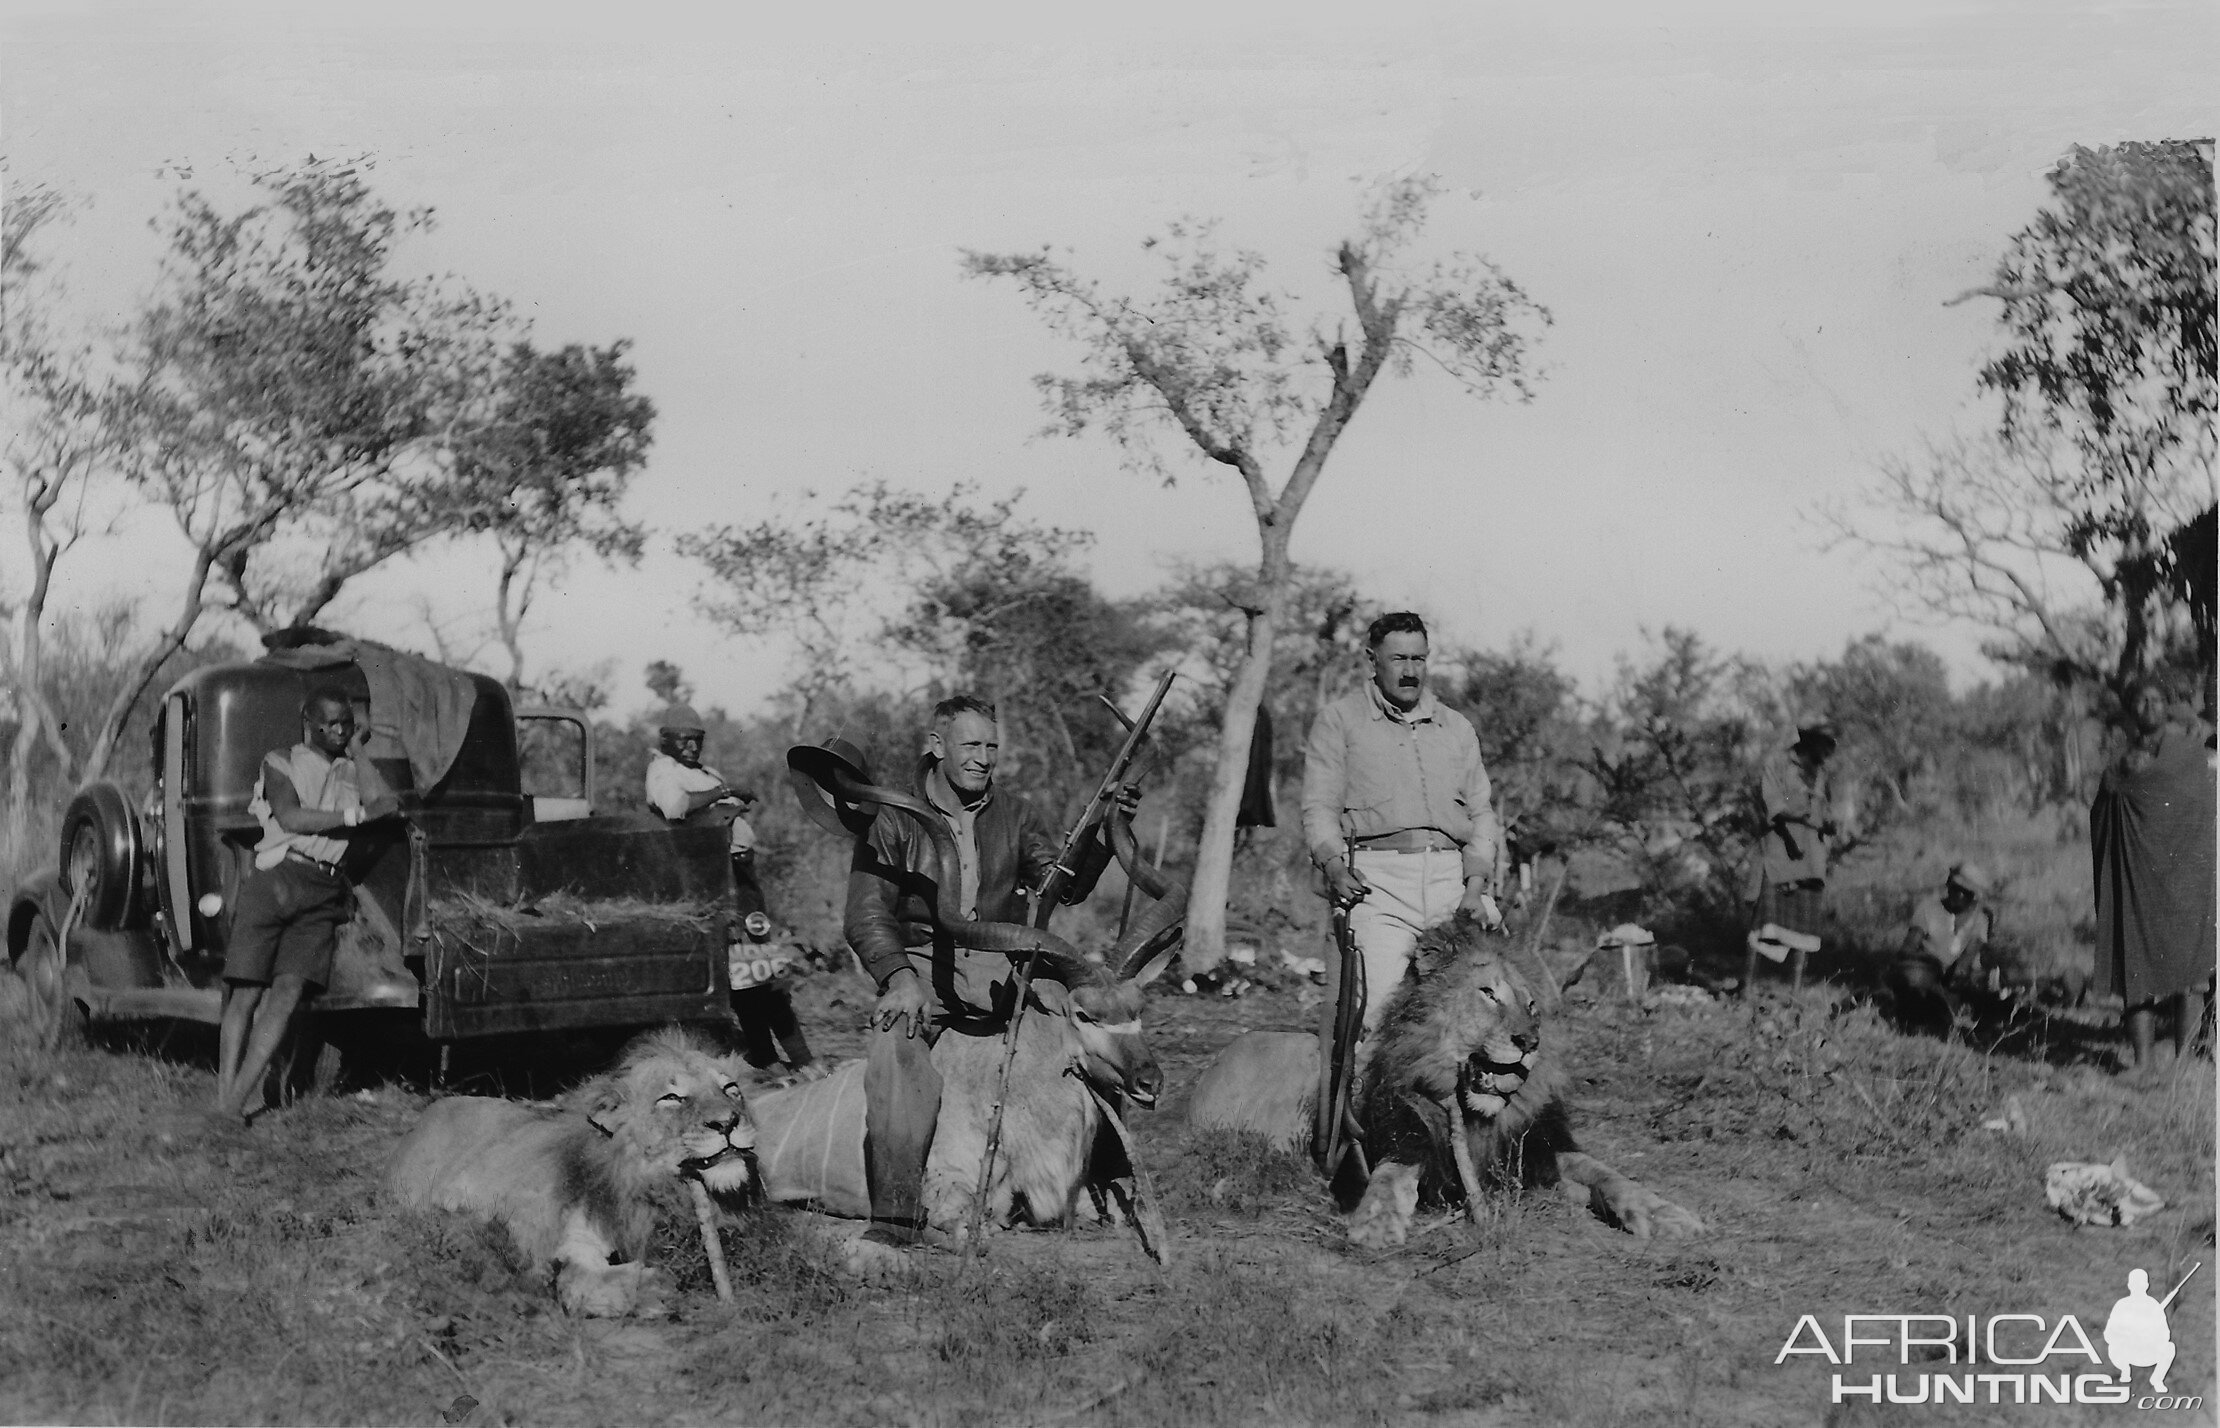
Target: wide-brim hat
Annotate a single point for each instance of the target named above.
(815, 770)
(1970, 877)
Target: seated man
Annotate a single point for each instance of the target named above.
(1940, 959)
(927, 982)
(682, 790)
(310, 800)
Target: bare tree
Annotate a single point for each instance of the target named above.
(1217, 359)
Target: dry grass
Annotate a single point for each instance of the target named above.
(155, 1270)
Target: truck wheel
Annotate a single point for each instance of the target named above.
(101, 848)
(56, 1018)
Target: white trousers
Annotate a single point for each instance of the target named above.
(1412, 893)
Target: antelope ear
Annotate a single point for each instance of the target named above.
(1052, 997)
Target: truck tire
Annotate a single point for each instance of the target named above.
(101, 845)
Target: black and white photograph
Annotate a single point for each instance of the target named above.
(1446, 714)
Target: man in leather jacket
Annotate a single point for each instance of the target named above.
(927, 983)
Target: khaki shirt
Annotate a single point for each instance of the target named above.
(1370, 769)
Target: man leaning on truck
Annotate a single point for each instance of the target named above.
(310, 799)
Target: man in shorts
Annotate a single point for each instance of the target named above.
(310, 800)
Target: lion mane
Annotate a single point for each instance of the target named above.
(571, 1182)
(1459, 1073)
(1460, 1040)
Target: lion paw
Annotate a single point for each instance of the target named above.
(1383, 1217)
(611, 1291)
(1645, 1213)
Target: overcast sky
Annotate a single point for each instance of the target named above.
(1745, 218)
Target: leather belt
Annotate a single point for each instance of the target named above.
(1410, 840)
(317, 863)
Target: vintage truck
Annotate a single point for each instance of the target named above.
(505, 899)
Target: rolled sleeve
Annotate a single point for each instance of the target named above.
(1325, 779)
(1479, 800)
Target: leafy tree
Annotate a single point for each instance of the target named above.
(2064, 533)
(1217, 361)
(1526, 712)
(292, 402)
(1676, 762)
(839, 578)
(546, 471)
(1043, 643)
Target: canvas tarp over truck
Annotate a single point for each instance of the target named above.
(418, 709)
(2151, 843)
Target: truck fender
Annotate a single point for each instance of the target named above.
(103, 829)
(39, 893)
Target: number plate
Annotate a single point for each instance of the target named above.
(751, 964)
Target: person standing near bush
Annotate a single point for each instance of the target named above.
(1796, 798)
(310, 800)
(683, 791)
(2151, 847)
(1397, 811)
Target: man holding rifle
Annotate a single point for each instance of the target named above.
(927, 984)
(1396, 810)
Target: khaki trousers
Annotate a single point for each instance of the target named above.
(1412, 893)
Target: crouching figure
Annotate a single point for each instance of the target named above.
(1458, 1094)
(570, 1181)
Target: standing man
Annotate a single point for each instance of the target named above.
(683, 791)
(1797, 801)
(1396, 809)
(310, 800)
(927, 983)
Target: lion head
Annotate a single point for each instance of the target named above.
(674, 1108)
(1467, 1029)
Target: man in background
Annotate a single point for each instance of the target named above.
(683, 791)
(1797, 801)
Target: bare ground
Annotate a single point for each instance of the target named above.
(156, 1269)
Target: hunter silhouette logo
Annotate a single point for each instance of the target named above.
(2135, 1334)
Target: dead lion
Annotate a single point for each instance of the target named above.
(569, 1181)
(1457, 1095)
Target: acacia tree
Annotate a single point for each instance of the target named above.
(1218, 359)
(545, 472)
(293, 403)
(837, 579)
(2066, 532)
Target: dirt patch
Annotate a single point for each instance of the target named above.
(155, 1267)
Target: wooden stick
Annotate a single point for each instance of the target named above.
(705, 1212)
(1461, 1148)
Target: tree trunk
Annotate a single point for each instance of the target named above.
(511, 623)
(171, 641)
(1213, 882)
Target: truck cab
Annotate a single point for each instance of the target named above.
(487, 906)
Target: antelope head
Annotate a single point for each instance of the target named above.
(1105, 1017)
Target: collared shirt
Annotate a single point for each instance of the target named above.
(671, 783)
(1372, 769)
(964, 819)
(323, 785)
